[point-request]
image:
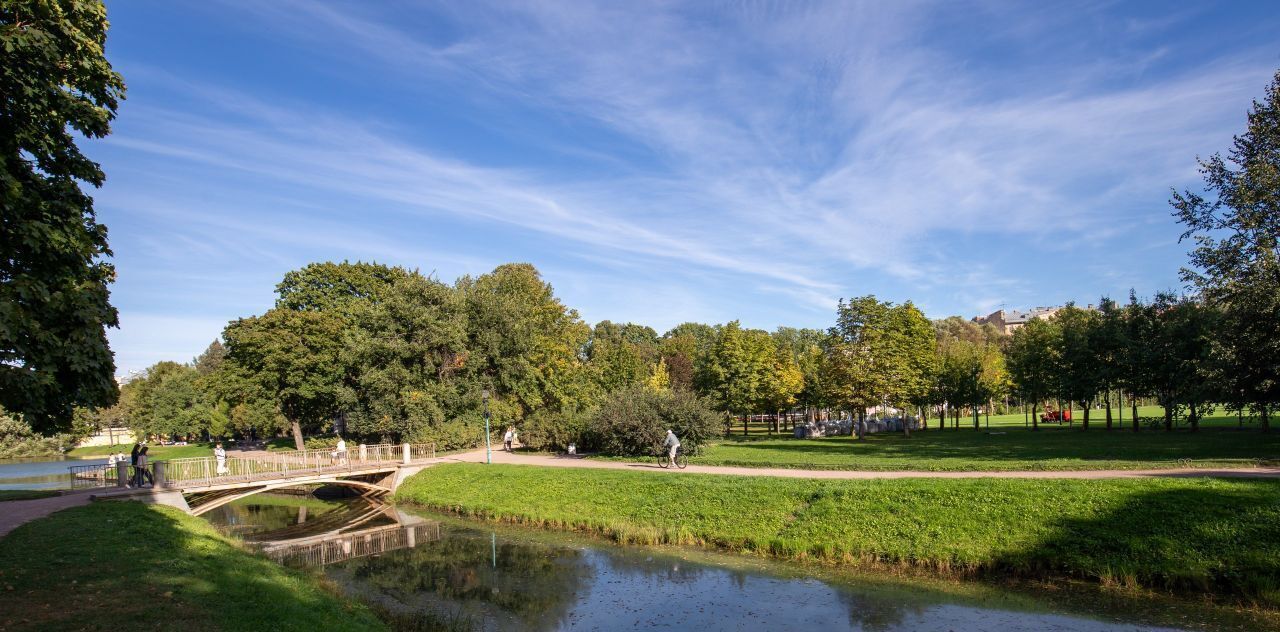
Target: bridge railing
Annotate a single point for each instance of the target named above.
(205, 469)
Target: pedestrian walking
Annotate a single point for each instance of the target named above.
(133, 462)
(508, 438)
(144, 473)
(220, 454)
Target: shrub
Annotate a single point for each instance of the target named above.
(550, 430)
(634, 421)
(18, 440)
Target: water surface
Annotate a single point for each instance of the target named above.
(429, 570)
(45, 472)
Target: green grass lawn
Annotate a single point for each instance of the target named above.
(154, 568)
(1008, 445)
(25, 494)
(1190, 535)
(156, 451)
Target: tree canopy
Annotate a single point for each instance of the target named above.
(55, 82)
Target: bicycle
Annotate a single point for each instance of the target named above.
(664, 459)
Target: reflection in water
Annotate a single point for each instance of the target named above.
(425, 570)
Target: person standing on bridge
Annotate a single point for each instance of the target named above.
(143, 471)
(133, 461)
(220, 454)
(341, 452)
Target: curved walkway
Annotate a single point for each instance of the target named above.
(16, 512)
(547, 460)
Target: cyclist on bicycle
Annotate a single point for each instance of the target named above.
(672, 444)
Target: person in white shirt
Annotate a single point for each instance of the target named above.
(220, 454)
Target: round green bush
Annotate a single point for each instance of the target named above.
(634, 421)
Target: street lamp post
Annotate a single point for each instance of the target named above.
(488, 453)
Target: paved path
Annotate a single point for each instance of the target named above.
(547, 460)
(17, 512)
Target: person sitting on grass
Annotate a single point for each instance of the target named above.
(671, 444)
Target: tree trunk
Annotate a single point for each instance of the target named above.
(1168, 416)
(1195, 419)
(1084, 423)
(744, 424)
(942, 417)
(1106, 401)
(297, 436)
(1035, 418)
(1133, 401)
(1266, 420)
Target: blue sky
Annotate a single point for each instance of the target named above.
(664, 162)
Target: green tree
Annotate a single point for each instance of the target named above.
(292, 358)
(523, 343)
(854, 358)
(740, 369)
(807, 348)
(1079, 368)
(1235, 265)
(54, 309)
(1032, 359)
(337, 287)
(406, 351)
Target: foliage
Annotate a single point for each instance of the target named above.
(522, 342)
(1236, 263)
(17, 439)
(293, 357)
(553, 430)
(404, 353)
(634, 421)
(1132, 532)
(178, 573)
(880, 354)
(54, 309)
(1033, 361)
(740, 370)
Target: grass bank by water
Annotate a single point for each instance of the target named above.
(147, 567)
(155, 452)
(1187, 535)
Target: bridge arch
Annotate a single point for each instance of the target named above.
(245, 492)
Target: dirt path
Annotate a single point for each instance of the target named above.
(546, 460)
(16, 512)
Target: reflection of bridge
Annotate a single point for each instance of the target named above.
(198, 485)
(291, 547)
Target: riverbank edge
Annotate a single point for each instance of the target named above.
(154, 567)
(985, 467)
(1264, 602)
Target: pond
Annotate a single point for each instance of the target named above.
(41, 472)
(431, 571)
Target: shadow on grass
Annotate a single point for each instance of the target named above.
(126, 565)
(1222, 540)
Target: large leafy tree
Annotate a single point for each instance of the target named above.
(292, 358)
(54, 82)
(1032, 359)
(855, 355)
(523, 343)
(1080, 376)
(1236, 265)
(406, 351)
(740, 370)
(337, 287)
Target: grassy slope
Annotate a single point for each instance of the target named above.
(156, 451)
(25, 494)
(154, 568)
(1183, 534)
